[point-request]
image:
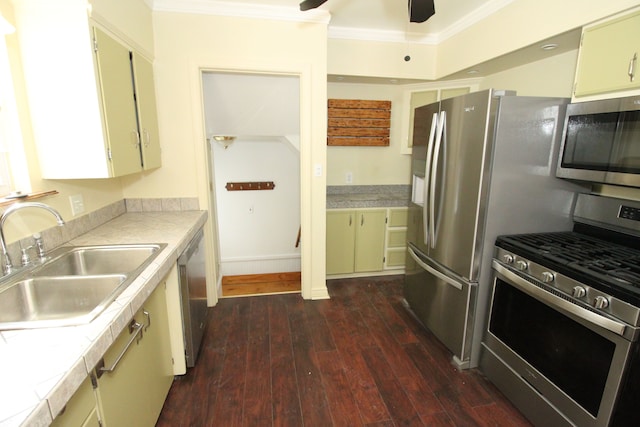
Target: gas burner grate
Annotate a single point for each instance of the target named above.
(608, 261)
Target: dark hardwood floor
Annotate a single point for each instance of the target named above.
(358, 359)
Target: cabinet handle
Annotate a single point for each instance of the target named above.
(146, 137)
(135, 136)
(136, 329)
(361, 220)
(148, 316)
(632, 67)
(350, 220)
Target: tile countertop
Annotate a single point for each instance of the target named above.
(40, 369)
(368, 196)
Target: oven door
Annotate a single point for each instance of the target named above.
(571, 357)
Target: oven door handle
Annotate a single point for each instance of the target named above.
(556, 302)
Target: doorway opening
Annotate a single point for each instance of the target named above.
(253, 129)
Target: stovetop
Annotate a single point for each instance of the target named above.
(607, 265)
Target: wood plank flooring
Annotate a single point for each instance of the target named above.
(260, 284)
(358, 359)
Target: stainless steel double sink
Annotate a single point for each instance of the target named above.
(72, 286)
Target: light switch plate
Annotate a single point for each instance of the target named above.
(77, 204)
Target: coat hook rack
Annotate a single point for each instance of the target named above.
(244, 186)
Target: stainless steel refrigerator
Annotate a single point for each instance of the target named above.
(482, 165)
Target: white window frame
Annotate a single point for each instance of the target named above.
(14, 171)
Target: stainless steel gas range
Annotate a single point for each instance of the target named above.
(562, 336)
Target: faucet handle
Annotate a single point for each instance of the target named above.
(37, 239)
(25, 259)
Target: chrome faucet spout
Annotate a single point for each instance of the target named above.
(8, 266)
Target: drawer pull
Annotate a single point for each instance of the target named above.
(136, 329)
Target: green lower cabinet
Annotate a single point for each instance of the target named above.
(81, 410)
(355, 240)
(396, 245)
(133, 393)
(369, 246)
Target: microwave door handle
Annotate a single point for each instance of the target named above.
(433, 179)
(427, 172)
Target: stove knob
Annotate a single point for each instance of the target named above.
(522, 265)
(507, 258)
(548, 277)
(601, 302)
(578, 291)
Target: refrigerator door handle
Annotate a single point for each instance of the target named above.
(427, 172)
(448, 280)
(433, 178)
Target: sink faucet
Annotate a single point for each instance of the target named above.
(8, 266)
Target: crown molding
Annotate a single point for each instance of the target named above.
(472, 18)
(381, 35)
(226, 8)
(278, 13)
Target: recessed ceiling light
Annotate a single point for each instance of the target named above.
(549, 46)
(473, 72)
(393, 81)
(339, 78)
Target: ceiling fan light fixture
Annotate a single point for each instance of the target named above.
(311, 4)
(421, 10)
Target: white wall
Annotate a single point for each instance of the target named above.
(250, 104)
(258, 229)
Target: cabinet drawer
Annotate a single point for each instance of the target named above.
(396, 257)
(397, 238)
(398, 217)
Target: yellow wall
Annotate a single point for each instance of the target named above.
(549, 77)
(386, 165)
(186, 44)
(520, 23)
(370, 165)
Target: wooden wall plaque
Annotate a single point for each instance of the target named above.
(357, 122)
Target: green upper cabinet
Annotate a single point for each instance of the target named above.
(608, 60)
(118, 104)
(147, 113)
(424, 95)
(90, 92)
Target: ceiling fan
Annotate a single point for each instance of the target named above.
(419, 10)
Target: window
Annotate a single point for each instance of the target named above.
(14, 173)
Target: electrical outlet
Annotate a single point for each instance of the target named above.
(349, 178)
(77, 204)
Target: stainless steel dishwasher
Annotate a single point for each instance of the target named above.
(193, 294)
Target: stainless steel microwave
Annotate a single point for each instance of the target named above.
(601, 142)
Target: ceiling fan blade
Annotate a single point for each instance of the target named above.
(421, 10)
(311, 4)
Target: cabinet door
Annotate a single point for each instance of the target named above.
(340, 241)
(123, 391)
(607, 56)
(156, 351)
(147, 112)
(133, 394)
(81, 410)
(118, 104)
(369, 241)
